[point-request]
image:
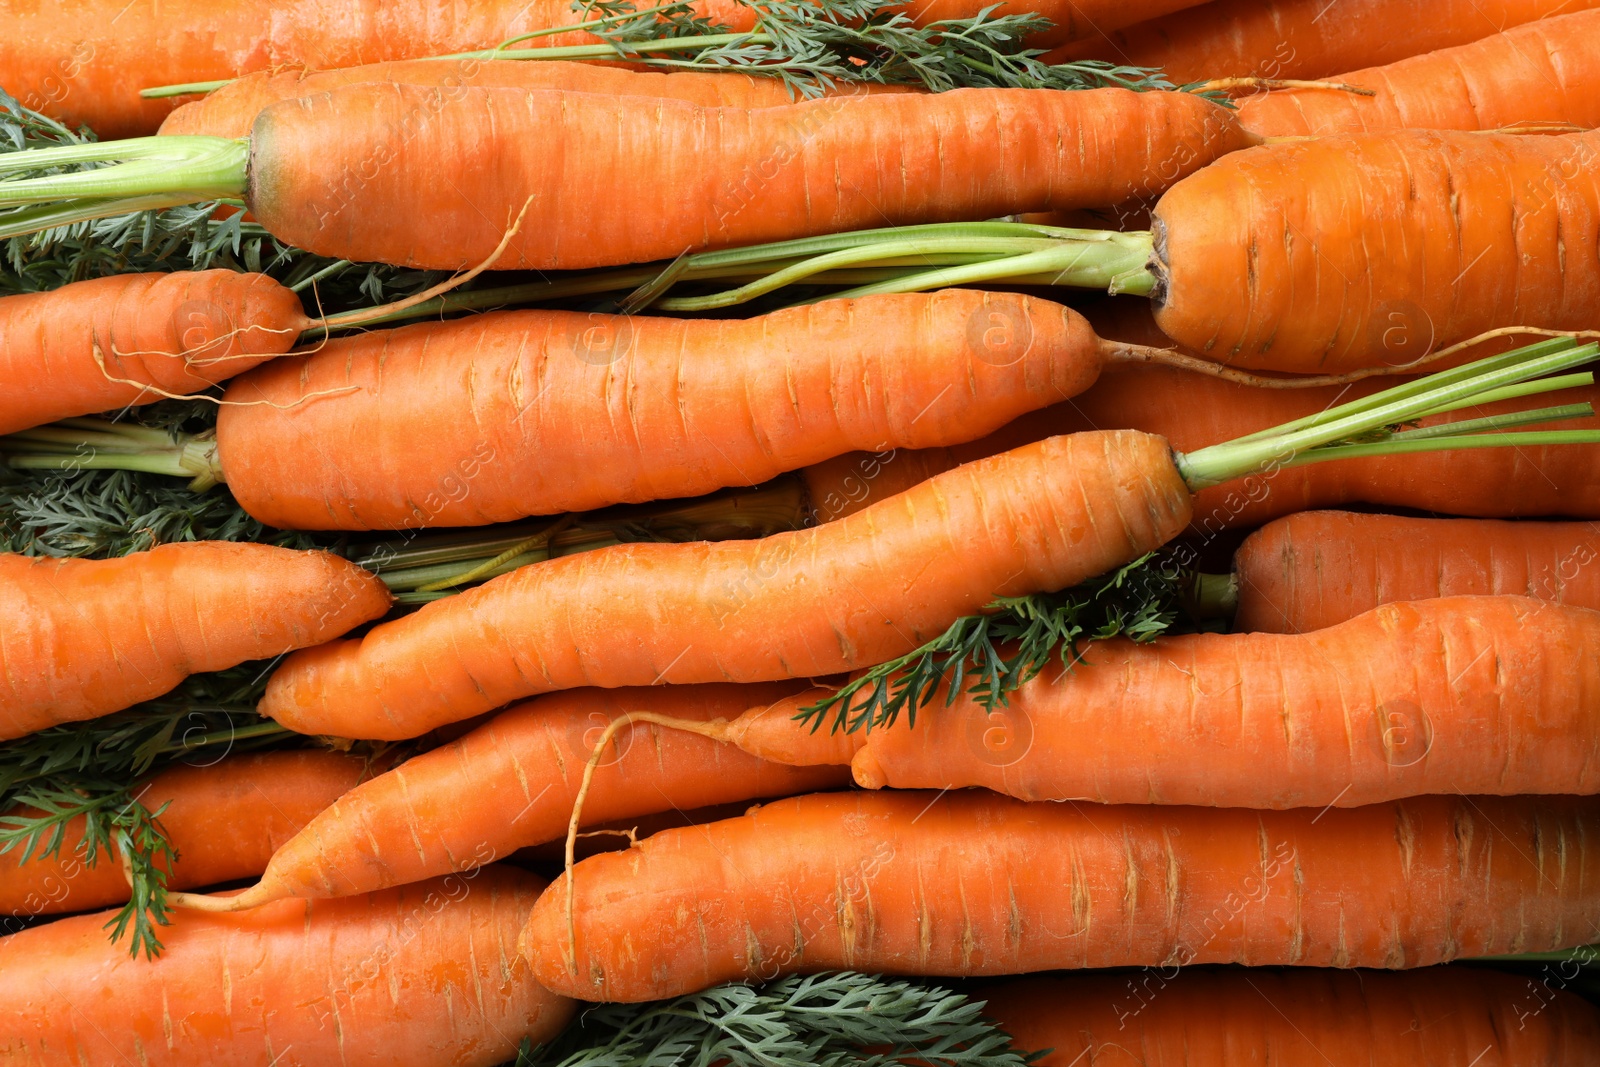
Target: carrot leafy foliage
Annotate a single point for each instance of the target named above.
(836, 1019)
(989, 656)
(93, 771)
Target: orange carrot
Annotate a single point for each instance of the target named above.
(1306, 38)
(1223, 1017)
(319, 172)
(1317, 568)
(82, 638)
(1191, 411)
(232, 110)
(1484, 695)
(1540, 72)
(844, 595)
(413, 977)
(799, 604)
(512, 782)
(87, 62)
(132, 338)
(969, 883)
(513, 398)
(225, 820)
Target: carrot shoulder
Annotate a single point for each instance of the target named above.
(224, 820)
(82, 638)
(801, 604)
(512, 782)
(968, 883)
(412, 977)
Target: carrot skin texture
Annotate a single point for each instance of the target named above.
(969, 883)
(1305, 38)
(225, 819)
(323, 168)
(1539, 72)
(83, 638)
(1476, 695)
(232, 110)
(549, 412)
(1193, 411)
(181, 332)
(416, 821)
(414, 977)
(1214, 1018)
(800, 604)
(1465, 232)
(1316, 569)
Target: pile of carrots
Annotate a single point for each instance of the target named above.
(1335, 799)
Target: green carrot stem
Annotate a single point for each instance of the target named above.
(162, 92)
(1532, 417)
(200, 168)
(1538, 439)
(1212, 596)
(1415, 386)
(1288, 445)
(22, 222)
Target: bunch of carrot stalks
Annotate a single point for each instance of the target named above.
(832, 532)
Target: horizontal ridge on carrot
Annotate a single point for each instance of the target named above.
(1484, 695)
(1306, 38)
(970, 883)
(417, 821)
(225, 820)
(1317, 568)
(1222, 1017)
(714, 179)
(412, 977)
(848, 594)
(82, 638)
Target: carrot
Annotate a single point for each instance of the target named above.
(697, 405)
(412, 977)
(1483, 695)
(225, 820)
(969, 883)
(1306, 38)
(511, 783)
(807, 603)
(322, 171)
(82, 638)
(232, 110)
(1317, 568)
(129, 339)
(85, 63)
(104, 343)
(1540, 72)
(1211, 1018)
(1190, 411)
